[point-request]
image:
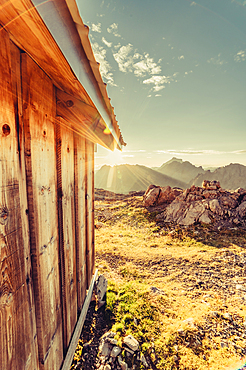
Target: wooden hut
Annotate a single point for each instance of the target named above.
(53, 109)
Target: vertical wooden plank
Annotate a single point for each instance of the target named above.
(68, 221)
(40, 160)
(18, 346)
(90, 252)
(80, 214)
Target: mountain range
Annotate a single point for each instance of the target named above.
(175, 173)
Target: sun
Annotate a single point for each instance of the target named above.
(114, 158)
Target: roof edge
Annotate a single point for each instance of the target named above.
(83, 32)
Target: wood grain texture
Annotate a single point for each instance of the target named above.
(89, 210)
(17, 321)
(37, 41)
(80, 215)
(68, 213)
(40, 160)
(84, 119)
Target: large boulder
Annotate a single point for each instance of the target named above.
(158, 195)
(207, 204)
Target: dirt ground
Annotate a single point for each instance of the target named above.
(193, 278)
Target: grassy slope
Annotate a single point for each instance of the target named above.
(197, 270)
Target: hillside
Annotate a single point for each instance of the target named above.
(231, 177)
(125, 178)
(179, 170)
(179, 291)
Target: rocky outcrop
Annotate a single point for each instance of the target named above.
(209, 204)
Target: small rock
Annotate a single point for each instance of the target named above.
(112, 341)
(101, 303)
(131, 342)
(157, 290)
(109, 334)
(224, 345)
(227, 316)
(129, 352)
(115, 351)
(189, 321)
(99, 225)
(240, 287)
(214, 313)
(143, 360)
(101, 287)
(105, 349)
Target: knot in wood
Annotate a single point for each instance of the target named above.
(69, 103)
(6, 130)
(4, 214)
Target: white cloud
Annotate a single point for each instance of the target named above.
(124, 59)
(240, 56)
(146, 66)
(96, 27)
(113, 28)
(117, 46)
(193, 3)
(100, 56)
(217, 60)
(158, 82)
(134, 151)
(198, 152)
(108, 44)
(158, 95)
(181, 57)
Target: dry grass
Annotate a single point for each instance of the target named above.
(195, 272)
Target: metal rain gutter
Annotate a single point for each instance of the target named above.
(60, 31)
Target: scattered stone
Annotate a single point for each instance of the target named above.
(227, 316)
(131, 342)
(157, 290)
(105, 349)
(122, 364)
(101, 287)
(115, 351)
(99, 225)
(224, 344)
(190, 322)
(143, 360)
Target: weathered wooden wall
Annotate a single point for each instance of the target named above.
(46, 217)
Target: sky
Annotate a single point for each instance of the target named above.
(176, 75)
